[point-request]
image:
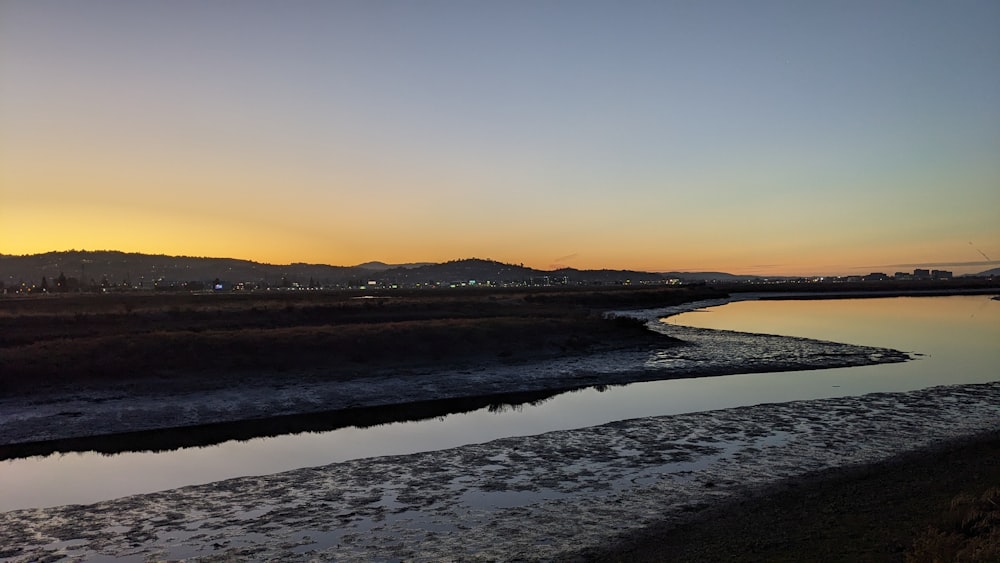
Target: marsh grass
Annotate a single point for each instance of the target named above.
(968, 531)
(96, 340)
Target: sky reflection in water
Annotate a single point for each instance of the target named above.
(956, 336)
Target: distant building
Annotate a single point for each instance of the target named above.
(941, 274)
(902, 276)
(921, 274)
(876, 276)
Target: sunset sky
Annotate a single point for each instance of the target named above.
(752, 137)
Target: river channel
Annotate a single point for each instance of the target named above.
(952, 341)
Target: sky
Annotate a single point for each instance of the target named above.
(760, 137)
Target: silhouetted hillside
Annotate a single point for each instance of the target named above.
(708, 276)
(607, 276)
(91, 270)
(113, 268)
(382, 266)
(462, 272)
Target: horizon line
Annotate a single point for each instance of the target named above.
(521, 264)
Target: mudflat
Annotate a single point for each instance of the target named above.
(133, 371)
(939, 503)
(798, 481)
(572, 494)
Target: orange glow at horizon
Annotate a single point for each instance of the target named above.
(108, 228)
(308, 136)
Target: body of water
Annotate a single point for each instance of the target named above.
(953, 340)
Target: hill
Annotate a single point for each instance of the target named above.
(476, 271)
(709, 276)
(109, 268)
(90, 270)
(382, 266)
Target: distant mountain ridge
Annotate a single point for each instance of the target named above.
(109, 268)
(142, 270)
(714, 276)
(382, 266)
(115, 268)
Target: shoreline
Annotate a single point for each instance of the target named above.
(508, 485)
(534, 497)
(890, 510)
(36, 425)
(51, 419)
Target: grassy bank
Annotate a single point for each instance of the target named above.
(200, 340)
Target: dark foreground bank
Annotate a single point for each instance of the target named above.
(939, 504)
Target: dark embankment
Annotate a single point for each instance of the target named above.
(927, 506)
(860, 289)
(198, 341)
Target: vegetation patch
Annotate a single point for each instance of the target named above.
(968, 531)
(93, 340)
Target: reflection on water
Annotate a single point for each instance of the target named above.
(216, 433)
(900, 322)
(956, 335)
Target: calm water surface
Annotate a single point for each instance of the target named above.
(956, 338)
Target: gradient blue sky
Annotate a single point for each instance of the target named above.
(751, 137)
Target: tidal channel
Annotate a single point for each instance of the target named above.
(952, 341)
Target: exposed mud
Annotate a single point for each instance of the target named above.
(533, 497)
(703, 352)
(528, 498)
